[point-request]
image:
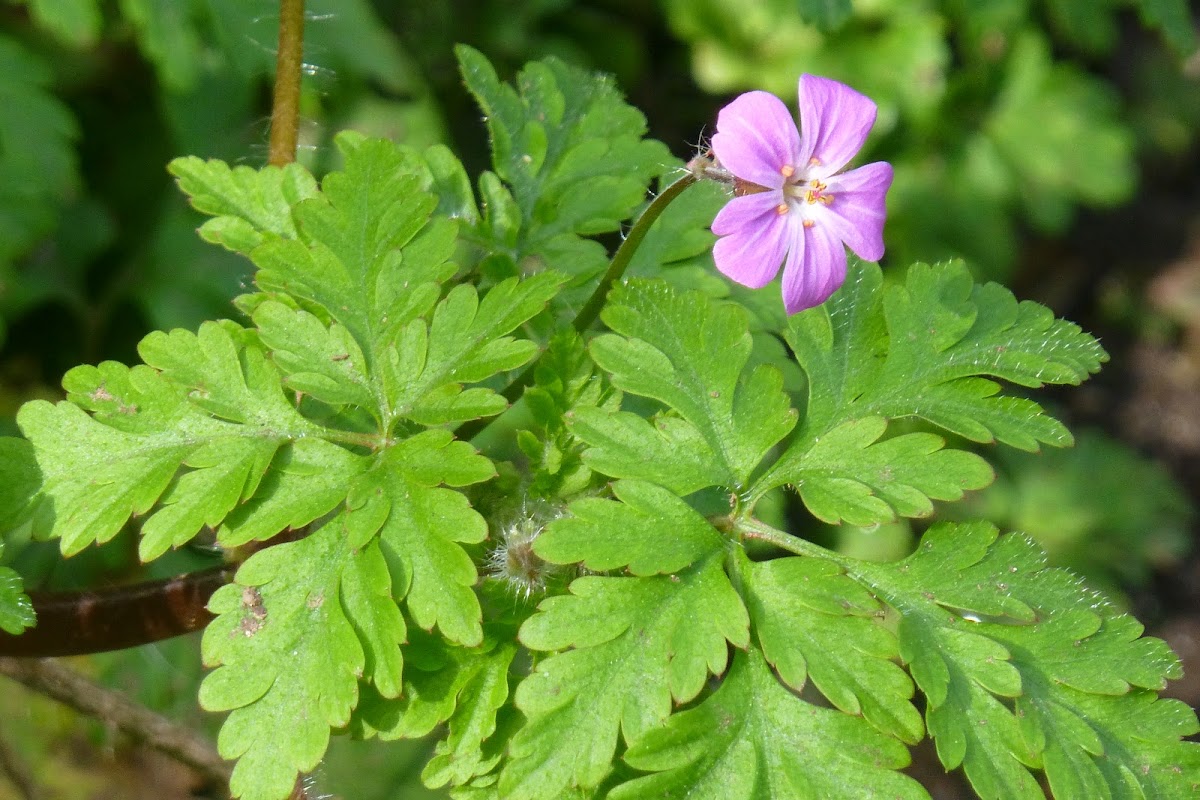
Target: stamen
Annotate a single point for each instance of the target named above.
(816, 193)
(808, 223)
(781, 209)
(814, 162)
(787, 170)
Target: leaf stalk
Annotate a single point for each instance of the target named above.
(750, 528)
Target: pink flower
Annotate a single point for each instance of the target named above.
(793, 206)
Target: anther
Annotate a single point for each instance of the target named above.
(787, 170)
(808, 223)
(781, 209)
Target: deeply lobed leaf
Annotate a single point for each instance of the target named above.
(927, 349)
(753, 738)
(815, 622)
(302, 623)
(569, 161)
(425, 525)
(1023, 668)
(247, 205)
(638, 644)
(728, 416)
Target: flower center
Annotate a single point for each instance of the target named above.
(797, 191)
(816, 193)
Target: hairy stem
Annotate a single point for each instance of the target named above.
(285, 109)
(591, 309)
(50, 678)
(624, 255)
(866, 573)
(750, 528)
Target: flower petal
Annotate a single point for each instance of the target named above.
(815, 268)
(754, 236)
(834, 122)
(859, 208)
(756, 137)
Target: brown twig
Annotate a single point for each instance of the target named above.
(73, 623)
(289, 60)
(55, 680)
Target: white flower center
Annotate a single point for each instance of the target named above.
(800, 192)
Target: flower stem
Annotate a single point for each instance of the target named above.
(587, 315)
(624, 255)
(285, 108)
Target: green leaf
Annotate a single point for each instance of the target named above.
(728, 417)
(565, 383)
(96, 476)
(20, 480)
(1078, 672)
(942, 332)
(667, 451)
(247, 205)
(815, 622)
(425, 527)
(229, 379)
(434, 674)
(214, 406)
(324, 362)
(366, 268)
(367, 254)
(851, 475)
(753, 738)
(16, 610)
(649, 532)
(460, 757)
(466, 687)
(451, 184)
(570, 154)
(638, 644)
(307, 479)
(1023, 668)
(303, 621)
(464, 342)
(223, 473)
(928, 349)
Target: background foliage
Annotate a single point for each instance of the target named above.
(1008, 123)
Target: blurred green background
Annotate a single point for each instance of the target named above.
(1050, 143)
